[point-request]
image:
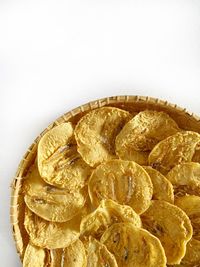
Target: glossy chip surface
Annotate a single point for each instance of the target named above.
(171, 225)
(95, 134)
(133, 246)
(35, 256)
(122, 181)
(59, 162)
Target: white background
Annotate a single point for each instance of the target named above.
(56, 55)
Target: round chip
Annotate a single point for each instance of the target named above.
(185, 178)
(162, 188)
(95, 134)
(125, 182)
(49, 202)
(171, 225)
(174, 150)
(143, 132)
(72, 256)
(133, 246)
(35, 256)
(51, 235)
(105, 215)
(99, 256)
(59, 162)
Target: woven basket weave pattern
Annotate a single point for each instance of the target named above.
(133, 104)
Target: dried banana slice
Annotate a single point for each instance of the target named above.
(162, 188)
(72, 256)
(59, 162)
(143, 132)
(174, 150)
(105, 215)
(125, 182)
(99, 256)
(185, 178)
(35, 256)
(133, 246)
(51, 235)
(49, 202)
(171, 225)
(95, 134)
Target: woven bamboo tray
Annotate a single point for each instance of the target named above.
(133, 104)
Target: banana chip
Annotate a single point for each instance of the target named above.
(162, 188)
(50, 235)
(133, 246)
(105, 215)
(125, 182)
(72, 256)
(185, 178)
(95, 134)
(174, 150)
(99, 256)
(49, 202)
(171, 225)
(142, 133)
(35, 256)
(59, 162)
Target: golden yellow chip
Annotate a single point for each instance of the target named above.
(174, 150)
(59, 162)
(125, 182)
(49, 202)
(162, 188)
(171, 225)
(51, 235)
(35, 256)
(133, 246)
(105, 215)
(185, 178)
(72, 256)
(99, 256)
(95, 134)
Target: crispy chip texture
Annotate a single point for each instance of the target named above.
(35, 256)
(72, 256)
(59, 162)
(143, 132)
(99, 256)
(122, 181)
(105, 215)
(95, 134)
(49, 202)
(133, 246)
(174, 150)
(50, 235)
(162, 188)
(185, 178)
(171, 225)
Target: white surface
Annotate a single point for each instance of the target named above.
(56, 55)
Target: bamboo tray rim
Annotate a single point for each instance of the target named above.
(17, 180)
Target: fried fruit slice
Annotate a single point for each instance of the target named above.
(99, 256)
(50, 235)
(133, 246)
(185, 178)
(171, 225)
(49, 202)
(143, 132)
(95, 134)
(174, 150)
(59, 162)
(72, 256)
(105, 215)
(35, 256)
(125, 182)
(191, 206)
(162, 188)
